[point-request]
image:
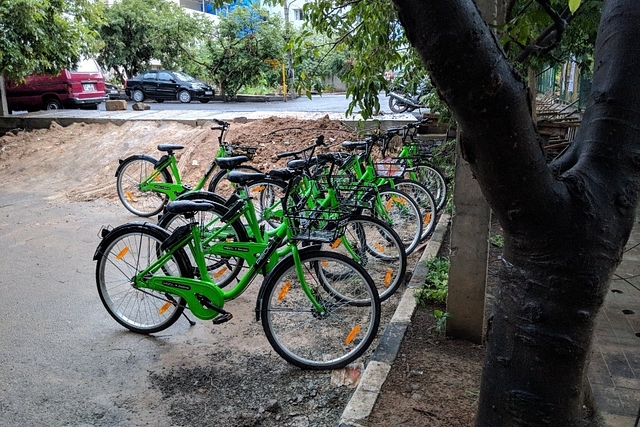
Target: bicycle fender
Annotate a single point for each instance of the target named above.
(312, 247)
(135, 157)
(130, 225)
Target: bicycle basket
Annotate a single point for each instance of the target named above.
(423, 148)
(349, 191)
(240, 150)
(390, 167)
(319, 224)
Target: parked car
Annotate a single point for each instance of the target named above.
(112, 91)
(164, 84)
(82, 87)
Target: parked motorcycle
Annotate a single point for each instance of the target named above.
(401, 100)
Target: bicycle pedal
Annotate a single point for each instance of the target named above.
(222, 318)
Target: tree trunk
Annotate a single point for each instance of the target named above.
(565, 224)
(4, 107)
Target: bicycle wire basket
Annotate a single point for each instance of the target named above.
(240, 150)
(318, 224)
(390, 167)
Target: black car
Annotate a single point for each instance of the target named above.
(165, 84)
(112, 91)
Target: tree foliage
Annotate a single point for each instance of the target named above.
(136, 31)
(246, 47)
(370, 33)
(45, 36)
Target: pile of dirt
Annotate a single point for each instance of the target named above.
(82, 158)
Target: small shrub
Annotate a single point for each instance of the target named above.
(497, 240)
(436, 283)
(441, 319)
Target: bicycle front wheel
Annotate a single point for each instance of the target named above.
(124, 253)
(421, 194)
(401, 211)
(375, 246)
(131, 173)
(433, 179)
(327, 338)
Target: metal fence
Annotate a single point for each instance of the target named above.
(566, 83)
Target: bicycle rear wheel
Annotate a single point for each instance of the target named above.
(131, 173)
(220, 184)
(329, 338)
(125, 252)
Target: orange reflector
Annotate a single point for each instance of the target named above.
(257, 189)
(165, 307)
(379, 247)
(427, 218)
(129, 196)
(324, 263)
(336, 243)
(284, 291)
(122, 253)
(352, 334)
(387, 278)
(220, 272)
(155, 176)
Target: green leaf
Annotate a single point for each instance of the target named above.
(574, 5)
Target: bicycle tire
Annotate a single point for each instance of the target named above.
(434, 180)
(379, 249)
(422, 195)
(221, 186)
(267, 194)
(315, 340)
(223, 270)
(131, 172)
(122, 254)
(400, 210)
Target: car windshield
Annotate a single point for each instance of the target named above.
(184, 77)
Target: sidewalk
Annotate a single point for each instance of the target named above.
(614, 372)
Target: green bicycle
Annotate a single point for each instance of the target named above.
(367, 240)
(313, 319)
(145, 184)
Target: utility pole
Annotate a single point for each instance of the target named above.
(287, 30)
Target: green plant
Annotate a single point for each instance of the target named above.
(436, 283)
(441, 319)
(497, 240)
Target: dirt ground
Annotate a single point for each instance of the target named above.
(435, 380)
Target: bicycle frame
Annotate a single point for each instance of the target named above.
(263, 255)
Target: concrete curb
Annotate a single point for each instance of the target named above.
(364, 398)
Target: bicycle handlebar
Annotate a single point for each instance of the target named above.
(319, 142)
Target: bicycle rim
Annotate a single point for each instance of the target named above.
(317, 340)
(377, 248)
(138, 202)
(140, 310)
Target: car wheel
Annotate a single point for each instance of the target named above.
(204, 101)
(138, 95)
(52, 104)
(184, 96)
